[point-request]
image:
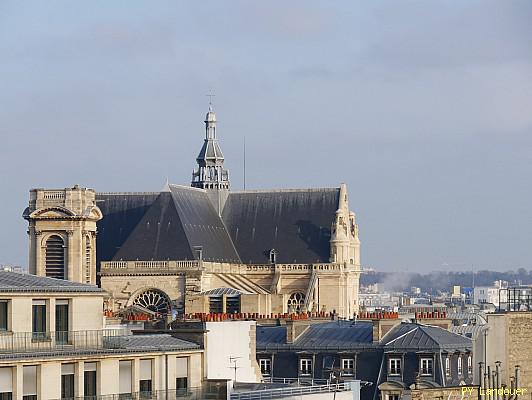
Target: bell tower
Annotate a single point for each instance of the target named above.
(345, 250)
(210, 173)
(62, 233)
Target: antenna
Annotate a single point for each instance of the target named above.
(244, 163)
(234, 360)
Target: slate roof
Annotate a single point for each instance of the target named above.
(334, 335)
(417, 337)
(296, 223)
(170, 224)
(469, 331)
(221, 291)
(122, 212)
(14, 282)
(152, 342)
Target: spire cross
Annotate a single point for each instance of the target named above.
(210, 96)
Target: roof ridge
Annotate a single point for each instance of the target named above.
(124, 193)
(287, 190)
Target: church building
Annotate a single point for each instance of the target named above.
(203, 247)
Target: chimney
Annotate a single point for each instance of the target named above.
(294, 329)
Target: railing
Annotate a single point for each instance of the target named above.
(181, 394)
(217, 267)
(133, 266)
(290, 392)
(55, 194)
(29, 342)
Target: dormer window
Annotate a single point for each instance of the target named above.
(425, 366)
(394, 367)
(273, 256)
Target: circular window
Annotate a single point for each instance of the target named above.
(154, 300)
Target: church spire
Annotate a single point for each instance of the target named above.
(210, 173)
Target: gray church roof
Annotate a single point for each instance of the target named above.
(296, 223)
(417, 337)
(14, 282)
(171, 224)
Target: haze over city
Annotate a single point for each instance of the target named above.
(423, 109)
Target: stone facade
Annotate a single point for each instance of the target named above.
(508, 341)
(266, 289)
(62, 233)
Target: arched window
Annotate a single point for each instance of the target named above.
(55, 257)
(296, 302)
(460, 371)
(154, 300)
(88, 250)
(273, 256)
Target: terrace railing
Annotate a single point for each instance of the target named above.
(26, 342)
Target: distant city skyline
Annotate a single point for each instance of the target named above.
(423, 109)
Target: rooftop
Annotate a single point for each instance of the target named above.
(14, 282)
(335, 335)
(412, 336)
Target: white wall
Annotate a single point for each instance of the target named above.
(230, 339)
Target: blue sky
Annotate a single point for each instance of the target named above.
(422, 108)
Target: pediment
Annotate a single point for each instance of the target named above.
(52, 212)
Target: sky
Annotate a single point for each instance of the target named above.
(423, 108)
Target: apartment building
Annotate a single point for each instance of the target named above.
(54, 345)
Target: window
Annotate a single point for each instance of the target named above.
(29, 382)
(232, 304)
(39, 319)
(55, 257)
(145, 378)
(393, 396)
(460, 371)
(348, 366)
(296, 302)
(426, 366)
(6, 383)
(124, 378)
(265, 366)
(394, 366)
(448, 366)
(181, 384)
(3, 315)
(67, 381)
(61, 321)
(181, 374)
(305, 366)
(90, 382)
(469, 365)
(273, 256)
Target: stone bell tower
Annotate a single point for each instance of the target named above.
(345, 250)
(62, 233)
